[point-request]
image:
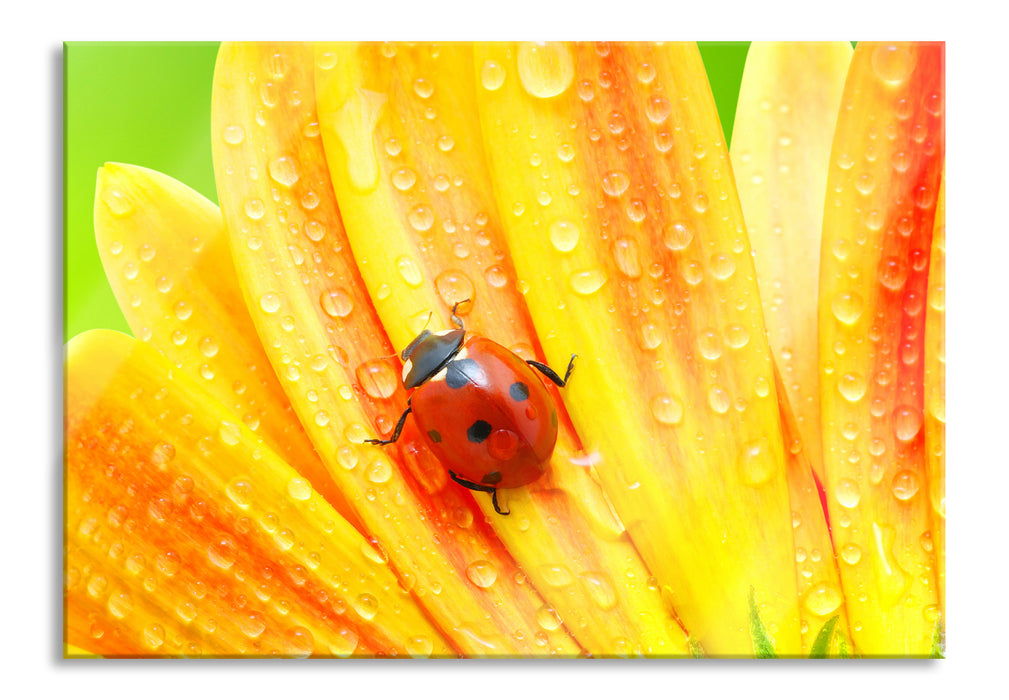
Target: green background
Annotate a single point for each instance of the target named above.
(149, 104)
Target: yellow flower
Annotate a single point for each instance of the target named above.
(221, 499)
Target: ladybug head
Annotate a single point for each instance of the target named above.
(427, 354)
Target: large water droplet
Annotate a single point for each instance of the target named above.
(852, 386)
(354, 124)
(718, 399)
(284, 170)
(377, 378)
(492, 75)
(337, 303)
(221, 552)
(587, 282)
(563, 234)
(233, 134)
(454, 286)
(403, 179)
(847, 307)
(230, 433)
(677, 236)
(667, 409)
(299, 489)
(118, 203)
(822, 599)
(421, 218)
(600, 589)
(892, 63)
(904, 485)
(270, 302)
(545, 69)
(482, 574)
(615, 183)
(906, 422)
(847, 493)
(410, 271)
(892, 273)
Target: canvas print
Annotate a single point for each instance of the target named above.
(508, 350)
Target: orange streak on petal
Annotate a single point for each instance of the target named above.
(935, 389)
(323, 335)
(619, 208)
(883, 186)
(441, 243)
(166, 256)
(817, 577)
(187, 536)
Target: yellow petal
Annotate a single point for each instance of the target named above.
(784, 127)
(935, 389)
(186, 535)
(817, 577)
(167, 259)
(883, 185)
(618, 205)
(428, 193)
(321, 332)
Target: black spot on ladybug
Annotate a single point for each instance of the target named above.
(434, 435)
(459, 373)
(479, 431)
(553, 418)
(492, 478)
(519, 391)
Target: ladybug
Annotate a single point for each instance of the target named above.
(481, 408)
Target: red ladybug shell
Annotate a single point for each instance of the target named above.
(487, 416)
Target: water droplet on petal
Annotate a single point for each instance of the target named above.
(822, 599)
(906, 422)
(454, 286)
(284, 171)
(852, 386)
(337, 303)
(270, 302)
(615, 183)
(904, 485)
(847, 307)
(545, 69)
(677, 236)
(299, 489)
(892, 63)
(421, 218)
(492, 75)
(587, 282)
(481, 573)
(233, 134)
(847, 493)
(118, 203)
(563, 234)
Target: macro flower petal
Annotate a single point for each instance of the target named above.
(167, 259)
(935, 389)
(186, 535)
(339, 369)
(883, 186)
(429, 194)
(618, 206)
(783, 131)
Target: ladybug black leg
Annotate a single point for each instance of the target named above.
(396, 432)
(455, 319)
(550, 374)
(480, 487)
